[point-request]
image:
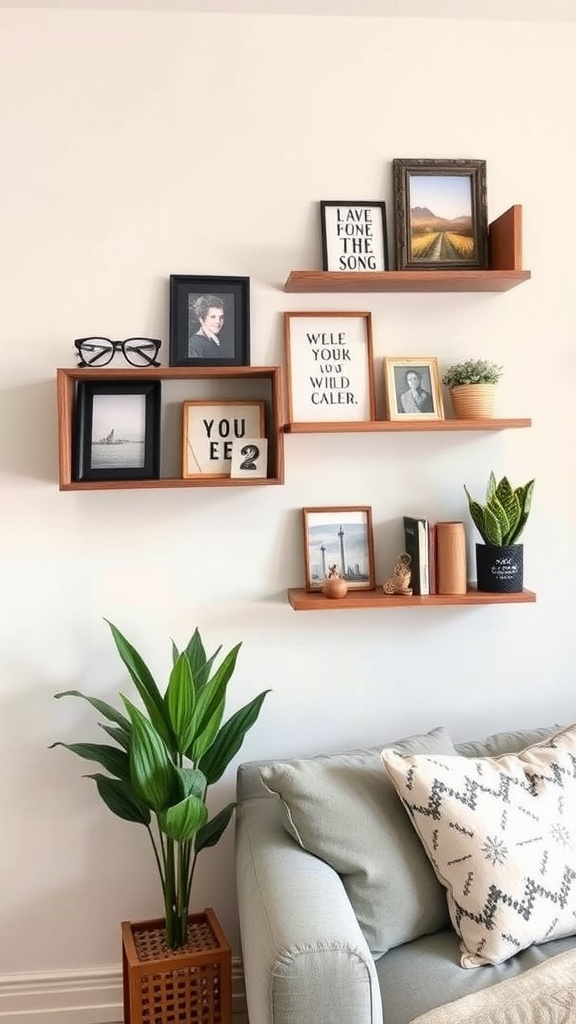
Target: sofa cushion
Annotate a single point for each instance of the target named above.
(501, 835)
(336, 808)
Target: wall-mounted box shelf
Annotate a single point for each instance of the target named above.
(398, 426)
(304, 601)
(269, 376)
(505, 249)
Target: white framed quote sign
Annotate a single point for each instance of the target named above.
(330, 367)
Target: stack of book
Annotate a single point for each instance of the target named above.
(437, 556)
(420, 544)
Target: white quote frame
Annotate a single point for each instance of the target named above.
(330, 367)
(354, 235)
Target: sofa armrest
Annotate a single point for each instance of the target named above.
(305, 958)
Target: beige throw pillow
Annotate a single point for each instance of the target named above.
(335, 807)
(501, 835)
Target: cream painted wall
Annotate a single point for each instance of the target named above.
(135, 145)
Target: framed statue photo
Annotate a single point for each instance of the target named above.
(339, 537)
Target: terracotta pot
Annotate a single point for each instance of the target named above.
(334, 587)
(192, 984)
(473, 401)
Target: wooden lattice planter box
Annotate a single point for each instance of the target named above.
(192, 985)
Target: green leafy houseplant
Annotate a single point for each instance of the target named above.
(472, 371)
(501, 520)
(163, 761)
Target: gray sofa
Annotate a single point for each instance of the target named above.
(342, 919)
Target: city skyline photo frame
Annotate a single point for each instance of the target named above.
(340, 536)
(209, 320)
(116, 432)
(330, 371)
(441, 215)
(412, 388)
(210, 429)
(354, 235)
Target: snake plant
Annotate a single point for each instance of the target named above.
(501, 520)
(164, 758)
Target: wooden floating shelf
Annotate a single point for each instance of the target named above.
(405, 280)
(305, 601)
(67, 380)
(398, 426)
(505, 256)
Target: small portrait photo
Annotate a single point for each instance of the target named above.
(412, 388)
(340, 537)
(209, 321)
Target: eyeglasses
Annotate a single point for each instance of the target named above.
(100, 351)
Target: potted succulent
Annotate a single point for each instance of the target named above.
(472, 386)
(160, 765)
(500, 522)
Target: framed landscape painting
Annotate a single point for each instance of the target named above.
(441, 218)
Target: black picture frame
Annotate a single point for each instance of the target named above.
(116, 419)
(354, 235)
(232, 298)
(432, 196)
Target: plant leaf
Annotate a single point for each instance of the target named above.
(183, 820)
(113, 760)
(105, 709)
(121, 737)
(192, 782)
(210, 833)
(120, 798)
(199, 663)
(151, 769)
(492, 528)
(180, 700)
(491, 487)
(145, 684)
(525, 498)
(210, 706)
(229, 739)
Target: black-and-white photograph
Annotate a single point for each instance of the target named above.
(209, 321)
(340, 537)
(412, 387)
(117, 430)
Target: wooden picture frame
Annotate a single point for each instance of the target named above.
(330, 367)
(116, 433)
(209, 321)
(412, 388)
(209, 430)
(441, 214)
(354, 235)
(341, 536)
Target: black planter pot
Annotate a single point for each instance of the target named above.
(500, 570)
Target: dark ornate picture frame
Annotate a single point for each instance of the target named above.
(117, 430)
(441, 215)
(209, 320)
(354, 235)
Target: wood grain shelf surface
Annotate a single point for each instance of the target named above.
(68, 378)
(505, 259)
(304, 601)
(398, 426)
(404, 280)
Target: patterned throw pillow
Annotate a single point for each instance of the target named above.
(500, 833)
